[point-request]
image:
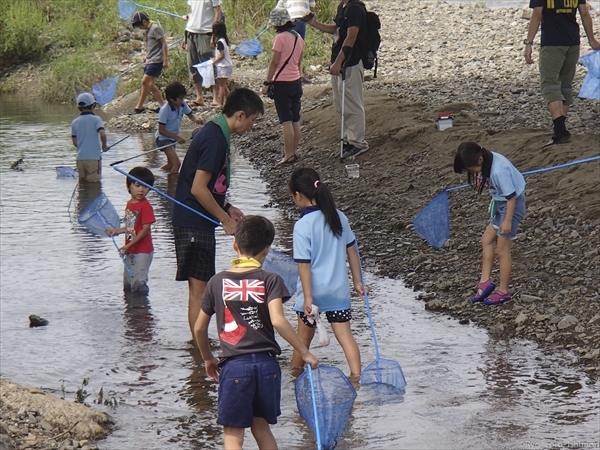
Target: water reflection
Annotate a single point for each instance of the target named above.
(139, 321)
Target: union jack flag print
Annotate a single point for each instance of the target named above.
(243, 290)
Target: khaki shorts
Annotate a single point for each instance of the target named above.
(90, 170)
(557, 70)
(198, 50)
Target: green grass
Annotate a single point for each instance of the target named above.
(79, 40)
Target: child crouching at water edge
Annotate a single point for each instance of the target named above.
(322, 241)
(139, 216)
(507, 209)
(170, 116)
(248, 303)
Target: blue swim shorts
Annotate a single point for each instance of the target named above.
(500, 215)
(161, 142)
(249, 386)
(153, 70)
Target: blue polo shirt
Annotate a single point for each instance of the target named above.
(85, 129)
(506, 181)
(171, 118)
(315, 243)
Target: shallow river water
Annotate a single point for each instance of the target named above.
(465, 390)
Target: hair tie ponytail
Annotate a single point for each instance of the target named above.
(317, 183)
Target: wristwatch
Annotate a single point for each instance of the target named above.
(526, 42)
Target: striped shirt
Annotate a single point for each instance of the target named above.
(296, 8)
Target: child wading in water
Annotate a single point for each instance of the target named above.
(507, 209)
(322, 240)
(170, 116)
(139, 216)
(222, 62)
(248, 304)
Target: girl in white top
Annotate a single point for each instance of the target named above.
(222, 62)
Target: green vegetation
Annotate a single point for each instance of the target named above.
(79, 40)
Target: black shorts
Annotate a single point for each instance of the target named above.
(196, 253)
(345, 315)
(288, 100)
(153, 70)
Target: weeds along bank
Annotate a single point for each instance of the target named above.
(73, 44)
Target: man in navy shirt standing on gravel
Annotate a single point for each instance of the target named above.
(346, 55)
(559, 54)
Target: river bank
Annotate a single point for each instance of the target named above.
(475, 70)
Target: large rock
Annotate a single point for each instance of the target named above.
(91, 424)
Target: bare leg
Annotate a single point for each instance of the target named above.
(487, 256)
(233, 438)
(262, 433)
(199, 99)
(505, 261)
(173, 163)
(147, 83)
(223, 91)
(297, 135)
(557, 109)
(306, 335)
(196, 292)
(288, 140)
(343, 334)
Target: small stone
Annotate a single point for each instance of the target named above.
(530, 298)
(433, 305)
(567, 322)
(594, 320)
(592, 354)
(46, 426)
(521, 319)
(464, 321)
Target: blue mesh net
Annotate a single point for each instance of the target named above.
(100, 215)
(384, 374)
(250, 47)
(64, 172)
(284, 266)
(126, 9)
(334, 395)
(433, 223)
(591, 84)
(105, 90)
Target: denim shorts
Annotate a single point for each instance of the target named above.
(500, 215)
(161, 142)
(153, 70)
(249, 386)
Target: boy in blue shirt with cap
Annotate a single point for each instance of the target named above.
(85, 130)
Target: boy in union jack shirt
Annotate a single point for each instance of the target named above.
(248, 303)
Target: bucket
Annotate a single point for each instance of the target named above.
(353, 170)
(444, 120)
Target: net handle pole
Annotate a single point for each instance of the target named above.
(545, 169)
(168, 197)
(159, 10)
(118, 142)
(362, 280)
(314, 402)
(141, 154)
(117, 247)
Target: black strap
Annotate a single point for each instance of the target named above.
(290, 57)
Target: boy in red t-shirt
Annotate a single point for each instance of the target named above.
(139, 215)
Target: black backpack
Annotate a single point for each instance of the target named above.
(372, 40)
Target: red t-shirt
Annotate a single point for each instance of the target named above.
(136, 216)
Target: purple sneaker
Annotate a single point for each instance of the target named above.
(486, 288)
(497, 298)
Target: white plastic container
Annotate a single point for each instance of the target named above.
(353, 170)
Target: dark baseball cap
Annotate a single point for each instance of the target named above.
(138, 17)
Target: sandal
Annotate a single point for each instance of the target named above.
(290, 160)
(483, 290)
(195, 104)
(497, 298)
(137, 111)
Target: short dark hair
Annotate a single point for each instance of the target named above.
(253, 234)
(174, 90)
(141, 173)
(245, 100)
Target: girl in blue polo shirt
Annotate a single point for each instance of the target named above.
(322, 240)
(507, 209)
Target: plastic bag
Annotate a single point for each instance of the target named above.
(591, 84)
(206, 71)
(321, 330)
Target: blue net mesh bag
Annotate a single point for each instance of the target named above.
(385, 375)
(433, 223)
(65, 172)
(105, 90)
(250, 47)
(334, 395)
(284, 266)
(126, 9)
(591, 83)
(100, 215)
